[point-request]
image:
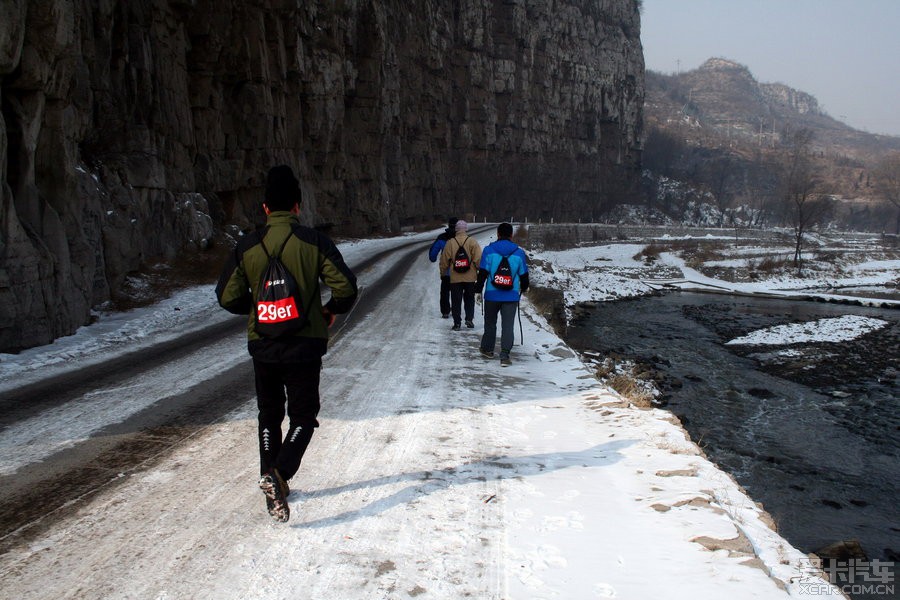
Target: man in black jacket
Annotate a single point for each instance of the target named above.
(287, 364)
(433, 254)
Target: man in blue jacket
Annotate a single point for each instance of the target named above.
(504, 270)
(433, 254)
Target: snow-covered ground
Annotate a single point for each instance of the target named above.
(836, 329)
(612, 271)
(435, 474)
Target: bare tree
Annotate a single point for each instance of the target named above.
(719, 175)
(806, 202)
(887, 183)
(757, 189)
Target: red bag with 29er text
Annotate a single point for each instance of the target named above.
(278, 309)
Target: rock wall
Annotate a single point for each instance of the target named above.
(793, 99)
(133, 130)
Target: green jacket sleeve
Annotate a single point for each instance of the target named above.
(335, 273)
(233, 290)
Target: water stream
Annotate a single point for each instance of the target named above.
(812, 433)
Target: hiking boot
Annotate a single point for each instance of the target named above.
(504, 359)
(455, 327)
(276, 490)
(470, 324)
(486, 353)
(445, 315)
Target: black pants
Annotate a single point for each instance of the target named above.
(445, 295)
(507, 312)
(462, 294)
(297, 385)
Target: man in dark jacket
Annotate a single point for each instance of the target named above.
(286, 365)
(504, 287)
(433, 254)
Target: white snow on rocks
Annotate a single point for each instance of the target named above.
(836, 329)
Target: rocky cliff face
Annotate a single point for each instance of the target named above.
(724, 90)
(132, 130)
(796, 100)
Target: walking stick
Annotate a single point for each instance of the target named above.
(521, 333)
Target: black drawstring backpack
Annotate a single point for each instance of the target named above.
(278, 308)
(461, 262)
(502, 279)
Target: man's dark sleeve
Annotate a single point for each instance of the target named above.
(482, 277)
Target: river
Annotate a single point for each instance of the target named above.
(812, 433)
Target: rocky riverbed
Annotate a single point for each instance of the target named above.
(809, 429)
(856, 373)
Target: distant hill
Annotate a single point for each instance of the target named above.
(724, 137)
(724, 98)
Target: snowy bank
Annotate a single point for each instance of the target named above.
(602, 272)
(838, 329)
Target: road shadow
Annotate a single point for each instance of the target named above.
(490, 468)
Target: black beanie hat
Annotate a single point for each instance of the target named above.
(504, 230)
(451, 222)
(282, 188)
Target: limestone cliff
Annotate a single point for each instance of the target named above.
(132, 130)
(796, 100)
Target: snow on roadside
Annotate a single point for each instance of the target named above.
(835, 329)
(117, 332)
(185, 310)
(627, 505)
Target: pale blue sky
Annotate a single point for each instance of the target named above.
(846, 53)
